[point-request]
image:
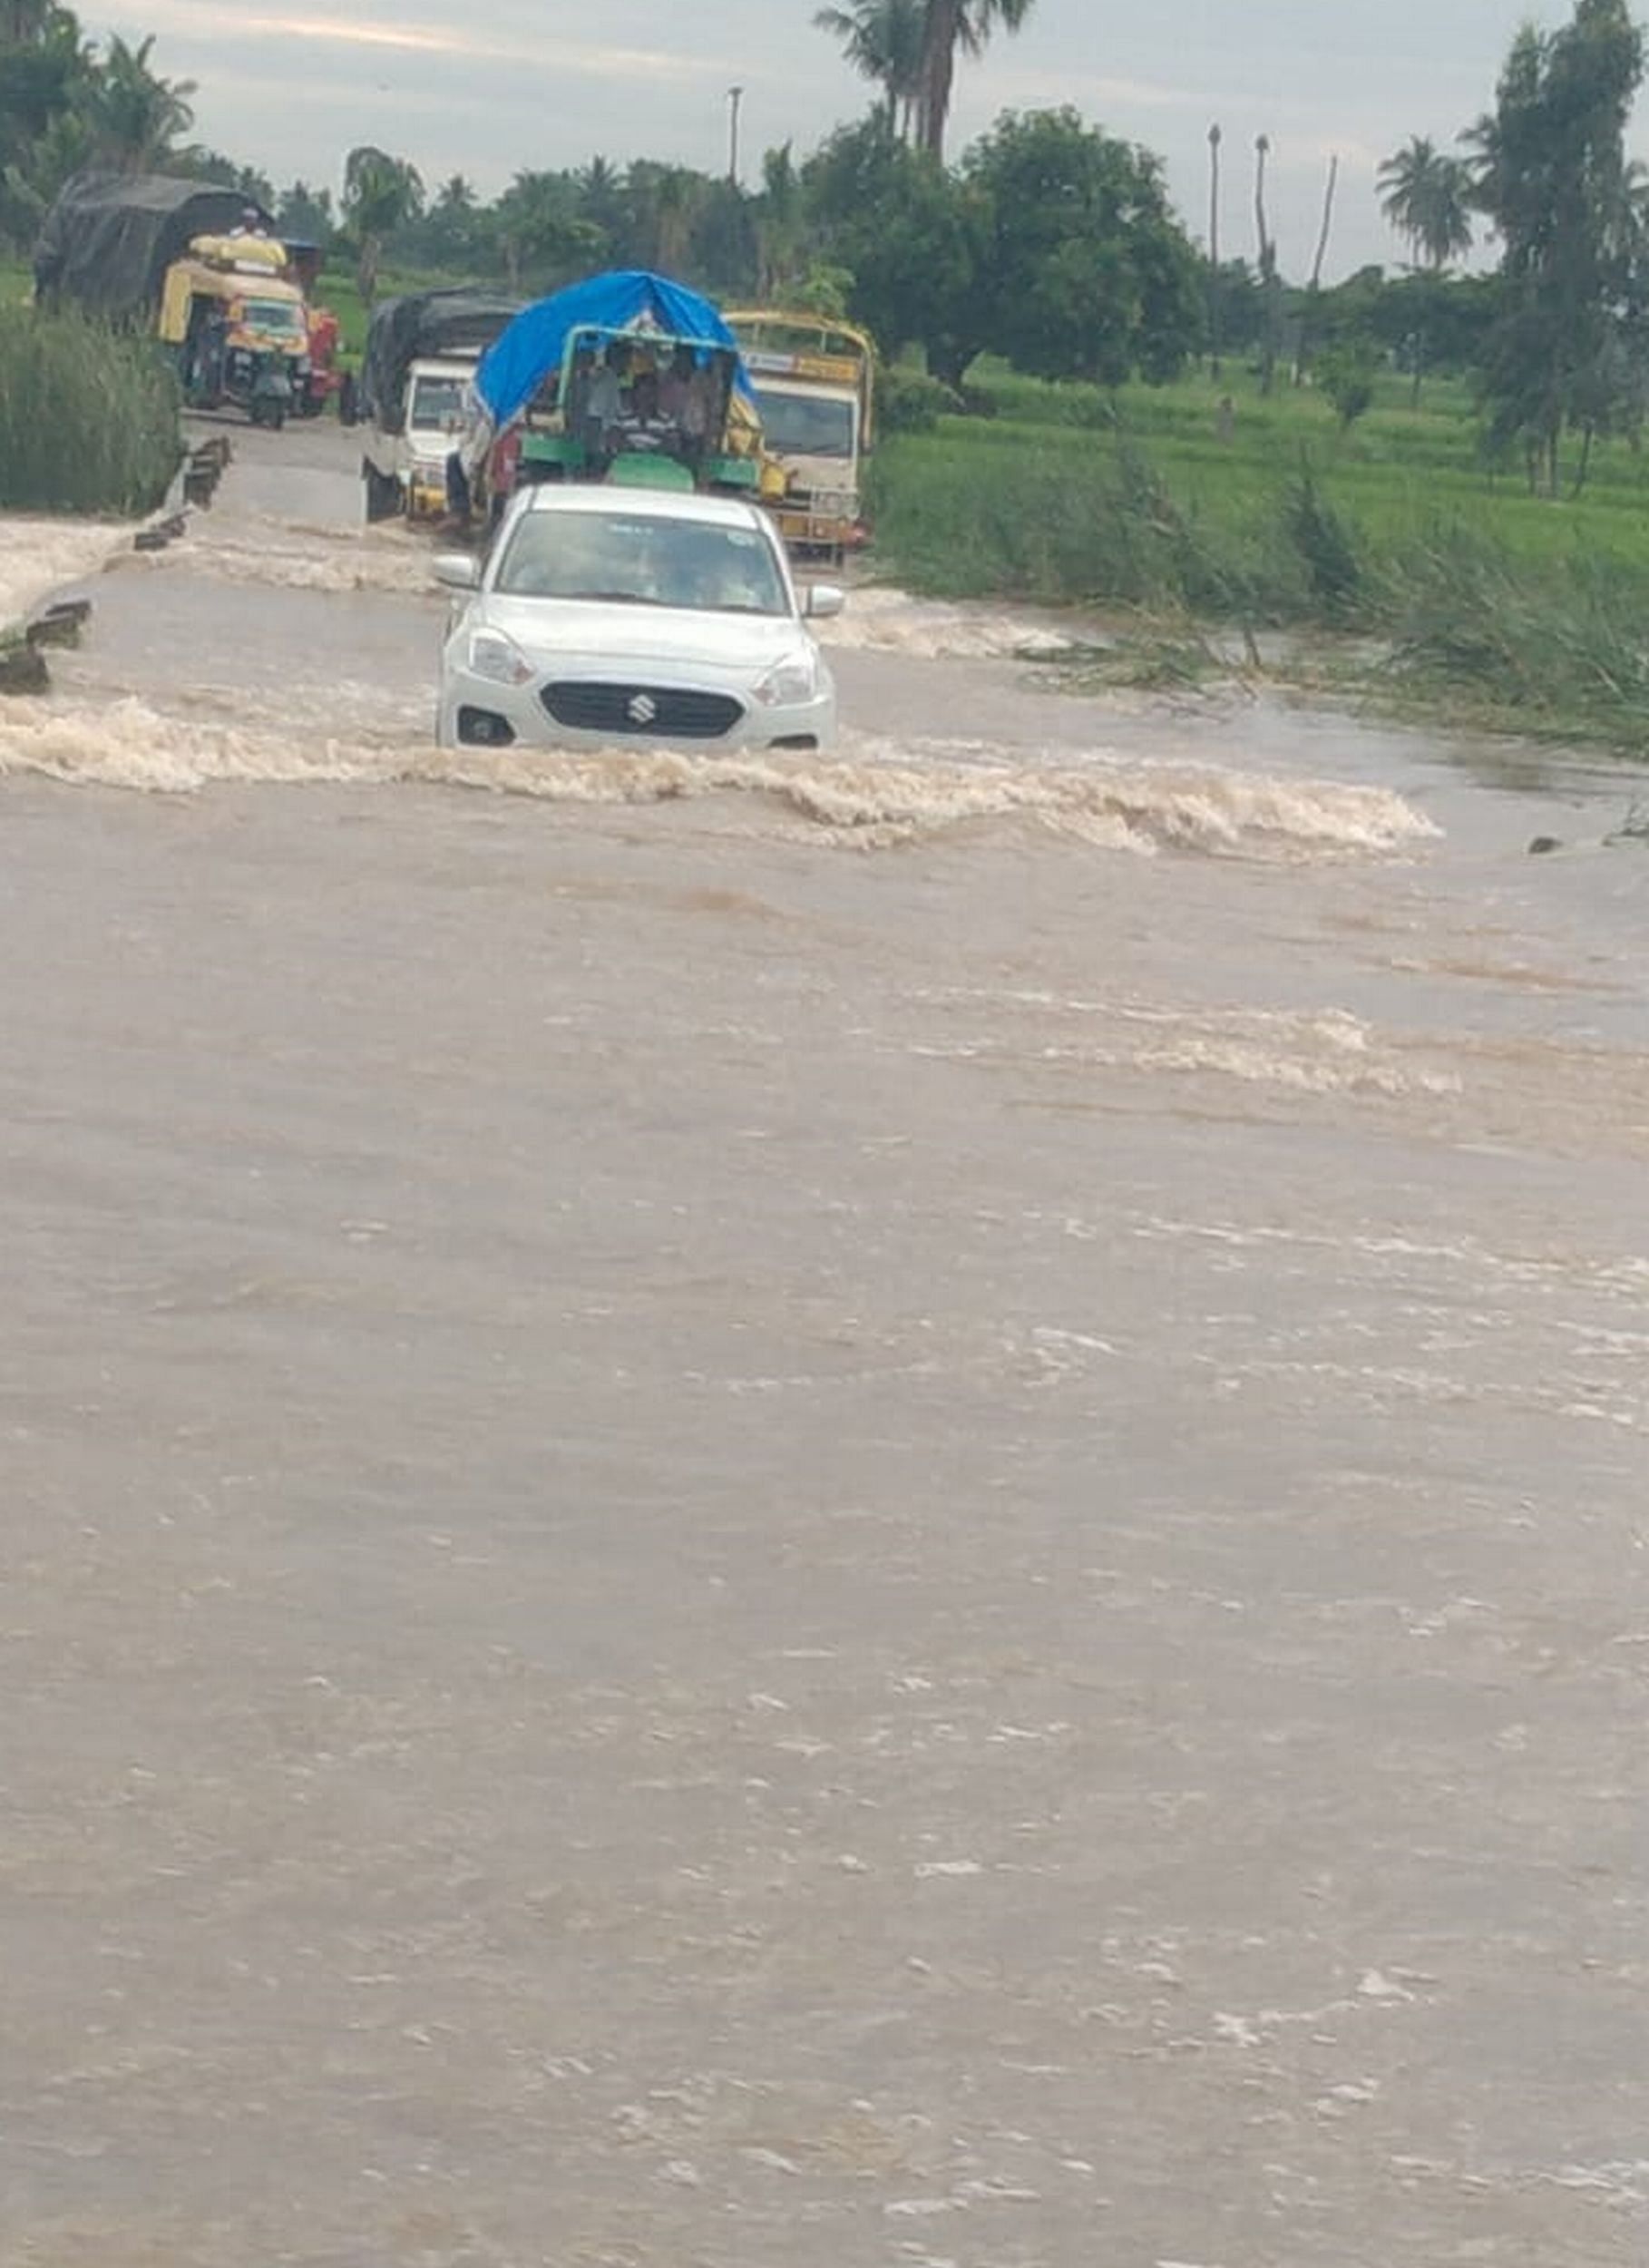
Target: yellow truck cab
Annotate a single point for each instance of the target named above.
(814, 381)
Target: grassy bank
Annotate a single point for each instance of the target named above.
(89, 421)
(1524, 612)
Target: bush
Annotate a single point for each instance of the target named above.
(89, 419)
(1325, 543)
(910, 402)
(1346, 380)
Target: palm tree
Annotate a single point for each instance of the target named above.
(1426, 195)
(539, 227)
(135, 116)
(1270, 282)
(781, 221)
(381, 194)
(950, 25)
(1215, 136)
(883, 40)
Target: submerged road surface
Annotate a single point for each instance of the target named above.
(885, 1510)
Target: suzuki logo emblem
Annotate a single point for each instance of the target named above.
(641, 709)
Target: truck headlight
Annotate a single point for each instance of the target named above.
(790, 681)
(499, 659)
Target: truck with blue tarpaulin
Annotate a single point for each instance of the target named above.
(627, 378)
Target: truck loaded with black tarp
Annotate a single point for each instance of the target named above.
(456, 322)
(108, 241)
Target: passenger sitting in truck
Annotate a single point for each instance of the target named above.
(603, 402)
(644, 424)
(684, 399)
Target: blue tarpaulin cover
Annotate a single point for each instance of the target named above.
(521, 357)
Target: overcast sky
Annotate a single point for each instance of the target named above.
(485, 87)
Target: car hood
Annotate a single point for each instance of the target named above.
(557, 631)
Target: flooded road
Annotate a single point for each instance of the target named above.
(891, 1509)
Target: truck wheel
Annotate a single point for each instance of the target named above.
(383, 492)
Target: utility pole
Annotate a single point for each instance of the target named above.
(736, 96)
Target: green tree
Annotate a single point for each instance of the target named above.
(1426, 195)
(1088, 274)
(211, 165)
(913, 237)
(725, 257)
(539, 232)
(1552, 177)
(603, 203)
(306, 214)
(781, 226)
(884, 41)
(42, 66)
(381, 194)
(135, 118)
(666, 204)
(950, 28)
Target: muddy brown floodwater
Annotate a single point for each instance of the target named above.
(887, 1510)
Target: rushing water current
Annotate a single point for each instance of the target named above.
(886, 1508)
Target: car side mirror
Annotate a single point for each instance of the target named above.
(457, 571)
(823, 599)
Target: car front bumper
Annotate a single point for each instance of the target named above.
(478, 712)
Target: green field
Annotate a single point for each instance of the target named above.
(1504, 605)
(1401, 476)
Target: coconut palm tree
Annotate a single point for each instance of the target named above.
(381, 194)
(883, 40)
(136, 118)
(950, 27)
(1271, 283)
(1426, 195)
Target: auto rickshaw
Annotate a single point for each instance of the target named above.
(239, 328)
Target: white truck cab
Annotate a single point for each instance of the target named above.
(421, 355)
(814, 385)
(406, 471)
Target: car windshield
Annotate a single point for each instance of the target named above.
(805, 424)
(636, 560)
(437, 404)
(274, 315)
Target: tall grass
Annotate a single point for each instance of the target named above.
(1480, 597)
(89, 420)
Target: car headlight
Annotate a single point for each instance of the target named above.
(794, 680)
(498, 658)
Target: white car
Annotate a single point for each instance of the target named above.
(607, 616)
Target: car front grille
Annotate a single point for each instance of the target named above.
(641, 711)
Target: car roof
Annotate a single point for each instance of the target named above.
(651, 503)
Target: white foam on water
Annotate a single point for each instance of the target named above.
(1327, 1053)
(39, 555)
(289, 555)
(880, 618)
(873, 793)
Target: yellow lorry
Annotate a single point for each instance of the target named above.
(814, 380)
